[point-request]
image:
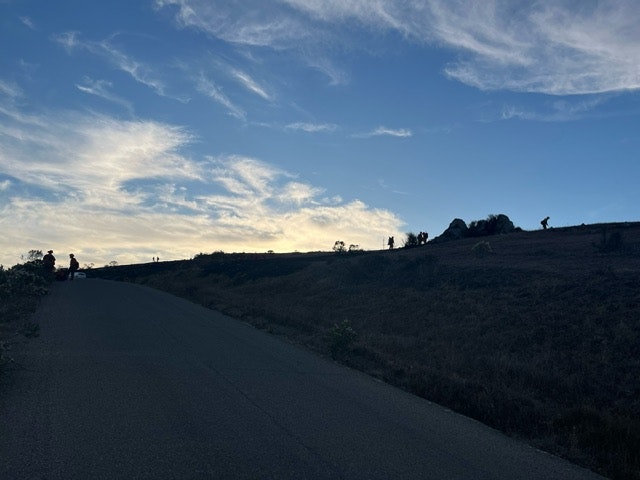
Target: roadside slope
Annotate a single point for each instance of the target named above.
(535, 333)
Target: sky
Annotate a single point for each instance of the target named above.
(169, 128)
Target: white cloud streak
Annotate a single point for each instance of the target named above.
(102, 89)
(560, 110)
(312, 127)
(250, 84)
(209, 88)
(384, 131)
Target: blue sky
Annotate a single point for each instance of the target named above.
(171, 127)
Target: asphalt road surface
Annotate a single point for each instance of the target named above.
(125, 382)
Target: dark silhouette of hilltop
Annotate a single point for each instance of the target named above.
(538, 336)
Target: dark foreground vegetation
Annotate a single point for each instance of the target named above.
(21, 287)
(534, 333)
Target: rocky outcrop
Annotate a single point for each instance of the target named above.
(493, 225)
(457, 229)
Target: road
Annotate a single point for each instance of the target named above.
(125, 382)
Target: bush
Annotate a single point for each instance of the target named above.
(339, 338)
(411, 240)
(493, 225)
(22, 280)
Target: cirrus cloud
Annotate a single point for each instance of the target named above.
(553, 47)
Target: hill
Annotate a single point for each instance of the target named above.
(534, 333)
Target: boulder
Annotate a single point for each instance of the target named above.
(457, 229)
(503, 225)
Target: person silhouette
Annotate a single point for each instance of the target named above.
(545, 223)
(390, 242)
(73, 266)
(49, 262)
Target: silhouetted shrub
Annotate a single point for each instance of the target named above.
(493, 225)
(411, 240)
(23, 280)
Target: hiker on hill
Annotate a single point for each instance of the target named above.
(73, 266)
(49, 262)
(390, 242)
(544, 223)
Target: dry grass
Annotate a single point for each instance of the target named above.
(534, 333)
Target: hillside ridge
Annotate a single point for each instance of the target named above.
(536, 333)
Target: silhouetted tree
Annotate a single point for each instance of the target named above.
(339, 246)
(33, 256)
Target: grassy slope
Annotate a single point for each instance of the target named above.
(539, 338)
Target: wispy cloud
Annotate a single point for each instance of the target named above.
(246, 23)
(102, 89)
(28, 22)
(10, 89)
(550, 47)
(122, 190)
(250, 84)
(384, 131)
(69, 40)
(384, 186)
(322, 63)
(209, 88)
(141, 72)
(311, 127)
(249, 24)
(561, 110)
